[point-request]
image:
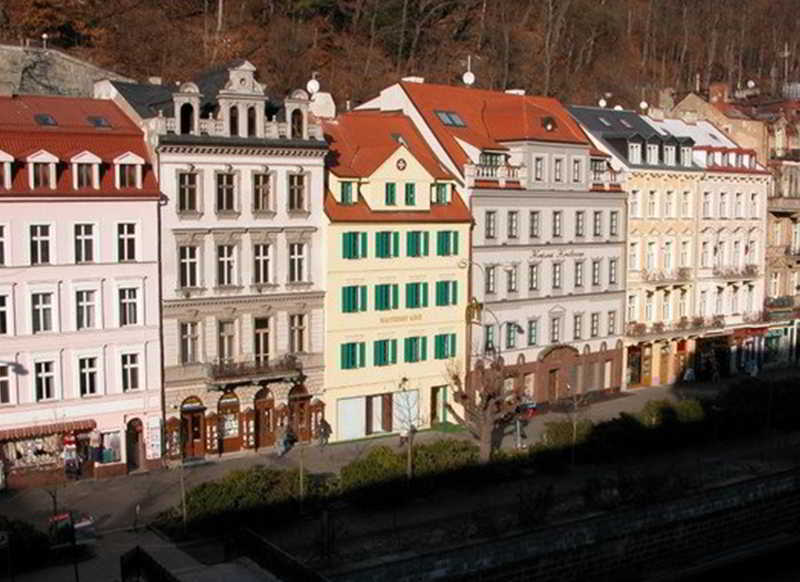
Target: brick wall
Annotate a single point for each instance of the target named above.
(618, 545)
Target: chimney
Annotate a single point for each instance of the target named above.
(413, 79)
(515, 91)
(655, 113)
(718, 93)
(689, 117)
(154, 80)
(322, 105)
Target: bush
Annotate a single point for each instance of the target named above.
(380, 465)
(444, 456)
(559, 434)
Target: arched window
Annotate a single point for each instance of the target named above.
(251, 121)
(233, 120)
(187, 118)
(297, 124)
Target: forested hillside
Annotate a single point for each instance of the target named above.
(574, 49)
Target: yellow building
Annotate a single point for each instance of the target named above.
(396, 271)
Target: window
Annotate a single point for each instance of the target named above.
(648, 307)
(226, 193)
(652, 154)
(225, 336)
(612, 323)
(736, 259)
(417, 243)
(189, 338)
(513, 224)
(684, 259)
(226, 265)
(415, 349)
(297, 192)
(127, 176)
(5, 384)
(635, 153)
(450, 118)
(511, 279)
(297, 254)
(634, 204)
(187, 192)
(706, 204)
(534, 224)
(490, 224)
(668, 255)
(556, 276)
(2, 242)
(579, 222)
(386, 296)
(354, 245)
(444, 346)
(488, 336)
(650, 259)
(387, 244)
(669, 154)
(739, 205)
(84, 310)
(127, 306)
(187, 266)
(754, 205)
(633, 310)
(595, 271)
(612, 271)
(130, 372)
(775, 282)
(682, 303)
(723, 205)
(718, 301)
(84, 175)
(556, 223)
(668, 205)
(594, 325)
(579, 273)
(704, 254)
(411, 194)
(686, 207)
(45, 380)
(558, 169)
(651, 205)
(533, 332)
(3, 314)
(597, 223)
(576, 171)
(666, 306)
(346, 194)
(297, 332)
(416, 295)
(633, 256)
(391, 193)
(42, 312)
(538, 169)
(261, 261)
(40, 244)
(261, 193)
(555, 329)
(533, 277)
(440, 194)
(87, 376)
(84, 243)
(261, 341)
(446, 243)
(41, 174)
(613, 223)
(126, 242)
(686, 156)
(446, 293)
(577, 326)
(384, 352)
(734, 299)
(490, 279)
(512, 329)
(354, 298)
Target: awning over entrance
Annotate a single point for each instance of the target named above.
(28, 432)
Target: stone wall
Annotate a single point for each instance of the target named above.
(621, 545)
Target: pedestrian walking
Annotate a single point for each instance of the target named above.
(324, 432)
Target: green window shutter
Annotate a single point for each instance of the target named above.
(437, 347)
(409, 287)
(454, 298)
(376, 353)
(396, 244)
(441, 244)
(407, 350)
(438, 293)
(362, 252)
(343, 357)
(424, 292)
(395, 296)
(363, 298)
(452, 345)
(362, 355)
(425, 241)
(410, 244)
(390, 194)
(378, 240)
(379, 306)
(344, 246)
(454, 234)
(393, 351)
(423, 348)
(344, 299)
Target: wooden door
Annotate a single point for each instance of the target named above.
(299, 417)
(265, 423)
(665, 369)
(552, 385)
(647, 365)
(194, 442)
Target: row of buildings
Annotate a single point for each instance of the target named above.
(187, 270)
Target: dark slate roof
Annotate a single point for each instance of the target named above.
(146, 99)
(212, 81)
(178, 139)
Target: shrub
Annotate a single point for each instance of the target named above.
(444, 456)
(559, 434)
(380, 465)
(690, 410)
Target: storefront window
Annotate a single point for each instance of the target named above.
(111, 447)
(229, 416)
(36, 452)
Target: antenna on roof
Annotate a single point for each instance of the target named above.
(602, 102)
(313, 85)
(469, 76)
(643, 105)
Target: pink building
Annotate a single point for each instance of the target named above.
(80, 373)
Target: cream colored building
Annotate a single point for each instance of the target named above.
(396, 252)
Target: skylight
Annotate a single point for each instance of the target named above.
(450, 118)
(99, 122)
(713, 137)
(626, 123)
(44, 119)
(604, 121)
(399, 139)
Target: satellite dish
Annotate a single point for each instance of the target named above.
(751, 84)
(468, 78)
(602, 102)
(643, 106)
(617, 107)
(312, 86)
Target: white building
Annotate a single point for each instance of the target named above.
(79, 313)
(549, 238)
(243, 272)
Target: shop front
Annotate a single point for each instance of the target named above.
(747, 344)
(713, 357)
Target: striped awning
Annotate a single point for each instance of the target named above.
(29, 432)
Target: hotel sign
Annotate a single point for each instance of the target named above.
(556, 254)
(402, 318)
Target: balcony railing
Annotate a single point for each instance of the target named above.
(782, 302)
(746, 272)
(605, 180)
(502, 174)
(665, 276)
(783, 203)
(226, 370)
(216, 127)
(636, 329)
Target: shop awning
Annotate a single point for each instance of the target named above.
(29, 432)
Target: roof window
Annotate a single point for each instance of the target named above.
(626, 123)
(548, 123)
(99, 122)
(44, 119)
(604, 121)
(450, 118)
(399, 139)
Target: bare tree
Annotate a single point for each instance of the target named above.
(577, 408)
(408, 419)
(488, 398)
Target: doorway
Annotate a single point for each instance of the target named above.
(134, 444)
(552, 385)
(438, 404)
(193, 428)
(299, 414)
(265, 418)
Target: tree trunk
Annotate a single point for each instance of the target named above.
(485, 446)
(410, 456)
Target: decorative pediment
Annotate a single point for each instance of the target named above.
(85, 157)
(5, 157)
(42, 156)
(557, 309)
(129, 158)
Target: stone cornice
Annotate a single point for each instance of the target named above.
(211, 303)
(233, 150)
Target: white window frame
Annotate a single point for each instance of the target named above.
(98, 371)
(226, 266)
(49, 239)
(127, 237)
(191, 265)
(124, 370)
(90, 159)
(54, 374)
(53, 305)
(196, 355)
(263, 263)
(95, 304)
(6, 160)
(635, 153)
(128, 158)
(42, 157)
(76, 238)
(297, 259)
(8, 379)
(652, 154)
(140, 303)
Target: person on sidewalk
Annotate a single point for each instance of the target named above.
(324, 431)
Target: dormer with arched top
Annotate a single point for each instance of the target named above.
(186, 103)
(42, 170)
(128, 170)
(242, 102)
(6, 161)
(85, 168)
(296, 105)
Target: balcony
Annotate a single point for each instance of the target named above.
(216, 127)
(227, 372)
(782, 302)
(732, 272)
(681, 275)
(788, 204)
(502, 174)
(682, 325)
(605, 180)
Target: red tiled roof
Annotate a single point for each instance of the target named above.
(21, 136)
(27, 432)
(360, 141)
(453, 211)
(596, 153)
(491, 117)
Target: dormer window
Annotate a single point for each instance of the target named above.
(686, 156)
(346, 193)
(440, 193)
(739, 160)
(128, 170)
(652, 154)
(85, 171)
(42, 170)
(41, 175)
(84, 175)
(635, 153)
(669, 155)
